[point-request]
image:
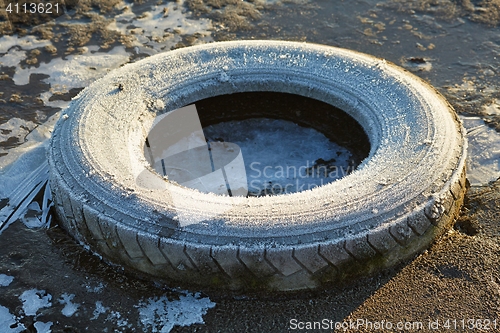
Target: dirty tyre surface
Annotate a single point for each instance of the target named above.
(407, 192)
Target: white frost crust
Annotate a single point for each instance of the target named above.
(409, 125)
(160, 314)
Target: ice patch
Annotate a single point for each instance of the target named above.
(69, 308)
(99, 309)
(12, 58)
(97, 289)
(43, 327)
(34, 300)
(161, 27)
(159, 314)
(493, 108)
(5, 280)
(8, 322)
(118, 320)
(281, 156)
(16, 128)
(484, 152)
(26, 42)
(76, 71)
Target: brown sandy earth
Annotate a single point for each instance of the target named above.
(457, 279)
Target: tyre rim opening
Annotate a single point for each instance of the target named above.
(256, 144)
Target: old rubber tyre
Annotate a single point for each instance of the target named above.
(407, 192)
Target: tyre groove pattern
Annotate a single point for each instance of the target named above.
(193, 264)
(300, 263)
(266, 258)
(254, 274)
(219, 266)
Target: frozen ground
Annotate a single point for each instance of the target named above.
(157, 314)
(49, 284)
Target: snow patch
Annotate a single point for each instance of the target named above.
(43, 327)
(5, 280)
(70, 308)
(99, 309)
(8, 322)
(484, 152)
(34, 300)
(159, 314)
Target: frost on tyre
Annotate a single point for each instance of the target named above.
(112, 196)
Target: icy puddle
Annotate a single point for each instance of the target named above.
(282, 157)
(483, 160)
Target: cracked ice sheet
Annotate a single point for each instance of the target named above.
(161, 28)
(484, 152)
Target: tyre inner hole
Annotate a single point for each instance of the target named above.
(257, 144)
